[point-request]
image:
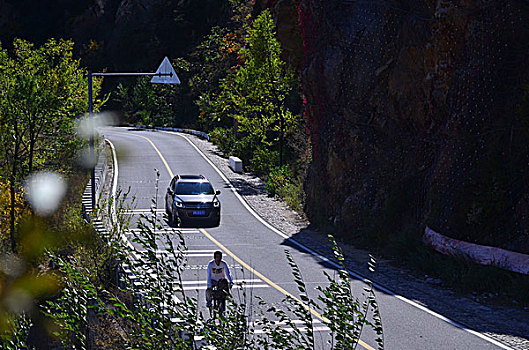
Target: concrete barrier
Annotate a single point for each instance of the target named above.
(236, 164)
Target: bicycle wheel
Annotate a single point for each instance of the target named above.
(222, 305)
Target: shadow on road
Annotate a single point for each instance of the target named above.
(198, 224)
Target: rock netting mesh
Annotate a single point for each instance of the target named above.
(416, 115)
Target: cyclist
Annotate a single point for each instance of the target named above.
(217, 270)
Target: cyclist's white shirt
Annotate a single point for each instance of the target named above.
(216, 272)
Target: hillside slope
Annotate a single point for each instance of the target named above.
(114, 34)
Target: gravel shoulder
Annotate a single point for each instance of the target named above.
(508, 325)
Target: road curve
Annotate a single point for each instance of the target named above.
(255, 251)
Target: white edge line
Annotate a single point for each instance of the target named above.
(114, 179)
(114, 190)
(354, 274)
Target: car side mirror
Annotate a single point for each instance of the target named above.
(217, 192)
(169, 190)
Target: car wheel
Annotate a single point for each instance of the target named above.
(173, 219)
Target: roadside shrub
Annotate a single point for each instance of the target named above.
(70, 311)
(14, 332)
(224, 139)
(263, 161)
(278, 178)
(346, 315)
(293, 195)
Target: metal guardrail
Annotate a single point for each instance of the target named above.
(200, 134)
(100, 177)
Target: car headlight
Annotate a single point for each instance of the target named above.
(179, 204)
(216, 204)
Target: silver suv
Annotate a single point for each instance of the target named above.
(191, 198)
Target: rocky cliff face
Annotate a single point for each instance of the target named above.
(417, 117)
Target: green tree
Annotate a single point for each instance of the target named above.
(256, 94)
(211, 62)
(41, 91)
(214, 59)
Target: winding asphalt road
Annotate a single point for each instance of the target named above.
(255, 252)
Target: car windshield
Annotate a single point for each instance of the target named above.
(193, 188)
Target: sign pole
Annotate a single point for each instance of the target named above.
(92, 131)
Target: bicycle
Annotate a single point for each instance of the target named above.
(219, 293)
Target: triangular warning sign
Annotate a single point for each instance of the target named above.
(169, 75)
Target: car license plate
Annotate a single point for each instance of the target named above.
(199, 212)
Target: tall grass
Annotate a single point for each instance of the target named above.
(152, 309)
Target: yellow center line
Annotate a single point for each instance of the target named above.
(240, 261)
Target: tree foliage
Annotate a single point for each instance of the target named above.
(255, 95)
(42, 90)
(215, 58)
(144, 103)
(245, 95)
(200, 72)
(261, 85)
(5, 207)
